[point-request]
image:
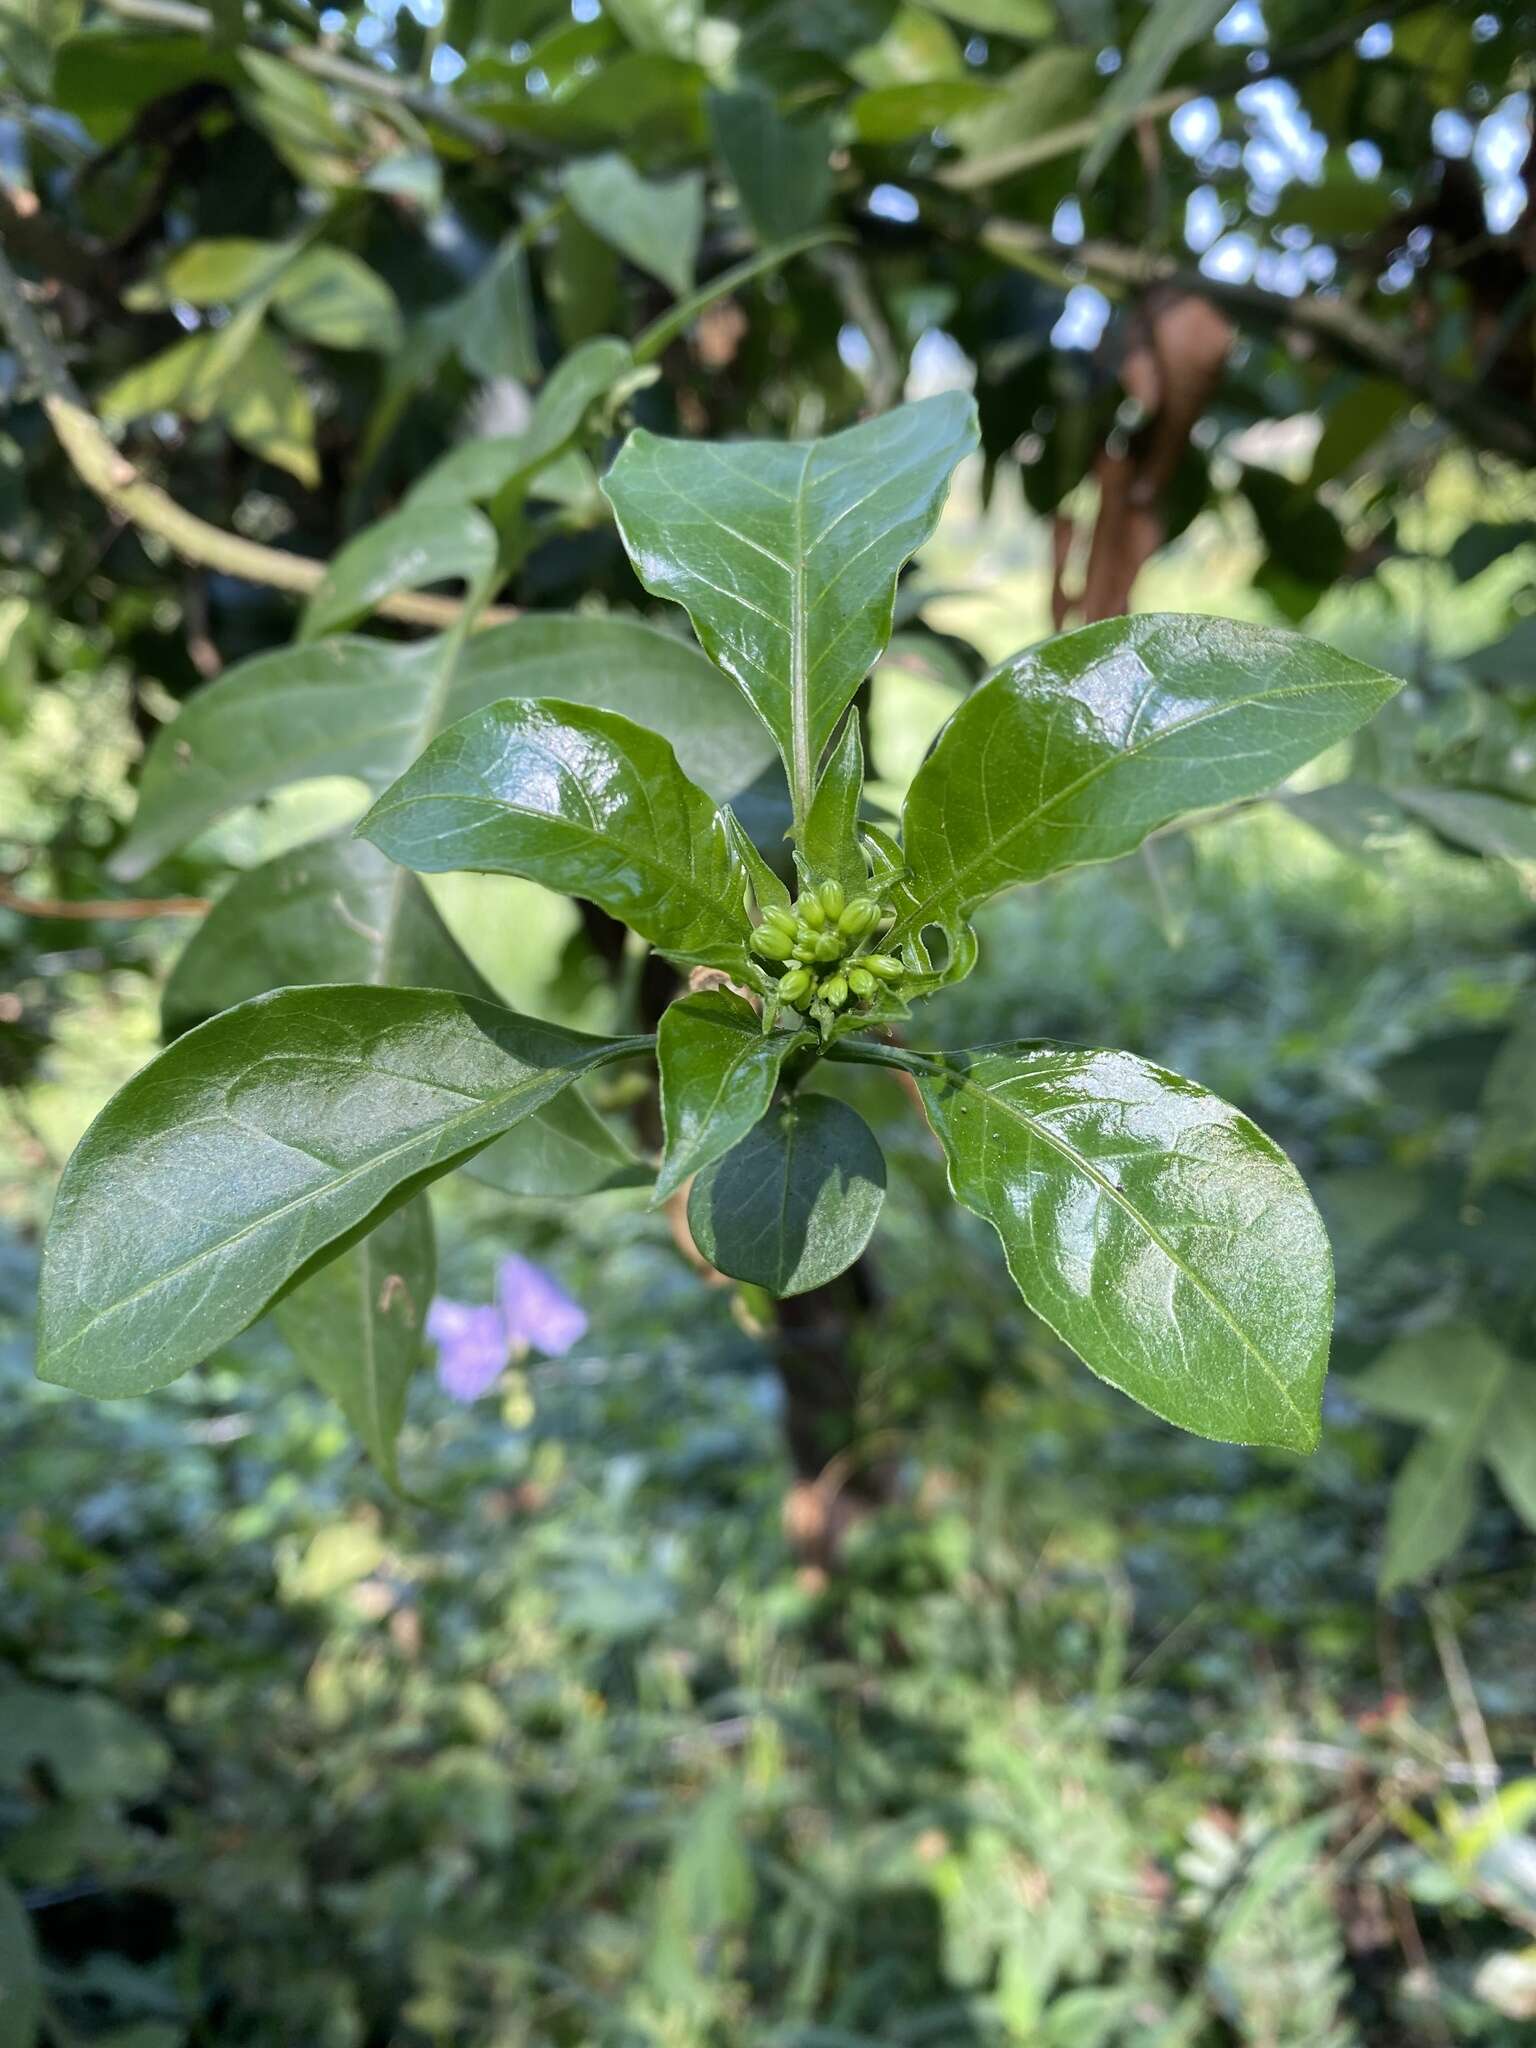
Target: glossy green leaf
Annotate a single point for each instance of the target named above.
(21, 1977)
(1431, 1509)
(345, 706)
(829, 845)
(780, 168)
(658, 679)
(262, 1142)
(718, 1073)
(794, 1203)
(332, 297)
(786, 554)
(354, 706)
(486, 466)
(1077, 749)
(1156, 1230)
(1166, 31)
(356, 1325)
(656, 223)
(585, 802)
(417, 546)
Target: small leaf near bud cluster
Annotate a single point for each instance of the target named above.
(820, 941)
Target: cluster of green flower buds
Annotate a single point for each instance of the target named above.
(820, 941)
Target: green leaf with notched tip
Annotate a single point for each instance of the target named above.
(418, 545)
(718, 1073)
(1077, 749)
(356, 1325)
(786, 554)
(585, 802)
(263, 1143)
(793, 1204)
(1156, 1231)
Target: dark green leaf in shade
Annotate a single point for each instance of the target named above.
(718, 1073)
(1433, 1501)
(1075, 750)
(1484, 821)
(829, 845)
(262, 1143)
(583, 801)
(415, 547)
(21, 1977)
(781, 168)
(356, 1325)
(1156, 1230)
(793, 1204)
(655, 223)
(786, 554)
(566, 1150)
(347, 706)
(1435, 1377)
(1510, 1445)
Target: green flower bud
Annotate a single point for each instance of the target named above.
(805, 952)
(862, 982)
(770, 942)
(829, 947)
(834, 990)
(795, 986)
(859, 916)
(811, 912)
(781, 919)
(883, 965)
(831, 894)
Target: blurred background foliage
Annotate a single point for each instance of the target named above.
(626, 1726)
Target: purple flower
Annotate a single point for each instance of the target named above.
(532, 1312)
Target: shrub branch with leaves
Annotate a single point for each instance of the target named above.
(1163, 1236)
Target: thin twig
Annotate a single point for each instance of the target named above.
(105, 471)
(1458, 1683)
(106, 907)
(1495, 422)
